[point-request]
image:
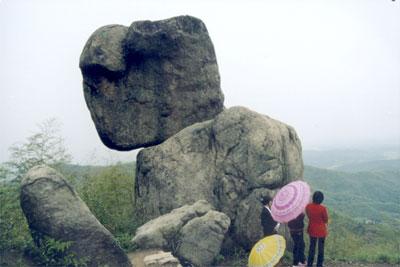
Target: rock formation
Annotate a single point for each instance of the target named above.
(156, 85)
(145, 83)
(53, 209)
(194, 233)
(229, 161)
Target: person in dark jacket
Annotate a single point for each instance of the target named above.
(269, 225)
(317, 228)
(296, 227)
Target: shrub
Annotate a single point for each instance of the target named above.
(14, 230)
(51, 252)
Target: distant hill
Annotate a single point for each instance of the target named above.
(368, 196)
(334, 159)
(371, 166)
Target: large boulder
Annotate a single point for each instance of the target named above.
(144, 83)
(54, 210)
(230, 161)
(194, 233)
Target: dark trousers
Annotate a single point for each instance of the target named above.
(311, 252)
(298, 248)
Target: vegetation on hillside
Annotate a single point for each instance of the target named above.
(371, 197)
(364, 206)
(108, 192)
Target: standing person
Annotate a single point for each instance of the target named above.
(296, 227)
(269, 225)
(317, 228)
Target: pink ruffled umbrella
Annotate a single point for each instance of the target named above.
(290, 201)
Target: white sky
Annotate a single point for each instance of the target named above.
(331, 68)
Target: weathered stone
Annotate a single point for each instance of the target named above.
(222, 161)
(162, 232)
(194, 233)
(54, 210)
(201, 238)
(161, 259)
(144, 83)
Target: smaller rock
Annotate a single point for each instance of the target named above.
(201, 238)
(161, 259)
(193, 233)
(162, 231)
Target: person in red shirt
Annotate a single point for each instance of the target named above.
(317, 228)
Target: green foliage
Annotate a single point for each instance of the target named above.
(367, 196)
(360, 242)
(218, 259)
(108, 191)
(14, 231)
(109, 195)
(52, 253)
(362, 207)
(364, 213)
(237, 257)
(43, 147)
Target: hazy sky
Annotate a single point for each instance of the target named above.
(331, 68)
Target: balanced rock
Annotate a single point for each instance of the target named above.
(193, 232)
(54, 210)
(144, 83)
(222, 161)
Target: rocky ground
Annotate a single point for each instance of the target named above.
(341, 264)
(137, 257)
(243, 262)
(9, 259)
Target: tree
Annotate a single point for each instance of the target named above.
(44, 147)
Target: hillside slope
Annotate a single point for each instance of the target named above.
(369, 196)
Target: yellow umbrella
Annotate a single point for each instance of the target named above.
(267, 252)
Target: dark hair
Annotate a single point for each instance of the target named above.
(318, 197)
(265, 200)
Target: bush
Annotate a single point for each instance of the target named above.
(109, 196)
(51, 252)
(14, 230)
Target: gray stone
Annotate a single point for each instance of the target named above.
(201, 238)
(193, 233)
(161, 259)
(222, 161)
(53, 209)
(162, 232)
(146, 82)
